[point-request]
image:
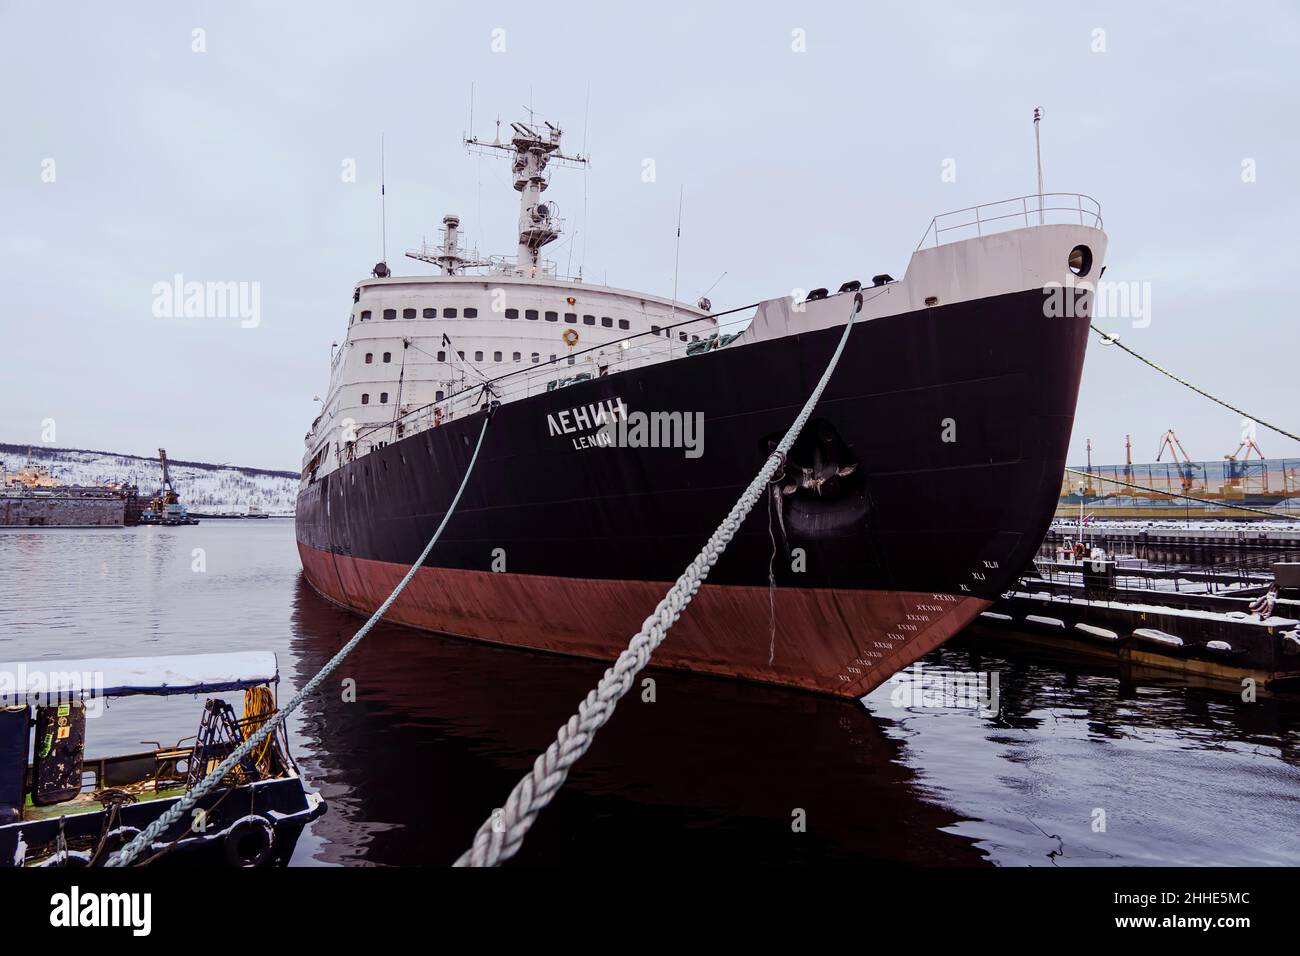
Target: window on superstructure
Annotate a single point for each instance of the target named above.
(365, 315)
(449, 313)
(383, 397)
(552, 356)
(390, 313)
(682, 336)
(462, 356)
(570, 359)
(408, 313)
(471, 313)
(365, 398)
(571, 318)
(370, 357)
(654, 330)
(588, 320)
(518, 357)
(388, 356)
(606, 322)
(439, 395)
(624, 324)
(442, 356)
(496, 356)
(530, 314)
(536, 357)
(552, 316)
(695, 338)
(478, 356)
(512, 313)
(430, 313)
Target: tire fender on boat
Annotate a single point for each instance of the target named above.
(250, 841)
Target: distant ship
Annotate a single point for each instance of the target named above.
(32, 497)
(920, 489)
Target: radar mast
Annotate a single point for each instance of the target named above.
(532, 151)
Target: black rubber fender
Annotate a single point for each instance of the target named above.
(250, 841)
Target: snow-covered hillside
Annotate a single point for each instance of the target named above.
(202, 487)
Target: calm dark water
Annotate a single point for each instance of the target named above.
(711, 771)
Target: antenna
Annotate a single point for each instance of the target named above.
(383, 207)
(714, 286)
(586, 170)
(677, 254)
(1038, 156)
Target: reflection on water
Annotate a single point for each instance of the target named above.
(440, 729)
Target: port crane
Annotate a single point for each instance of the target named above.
(1240, 468)
(167, 493)
(1169, 442)
(166, 507)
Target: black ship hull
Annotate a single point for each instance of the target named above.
(920, 489)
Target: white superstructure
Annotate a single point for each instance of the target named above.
(421, 350)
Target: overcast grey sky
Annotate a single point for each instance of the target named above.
(799, 169)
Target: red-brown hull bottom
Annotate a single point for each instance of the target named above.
(831, 641)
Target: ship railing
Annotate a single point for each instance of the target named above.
(644, 348)
(1005, 214)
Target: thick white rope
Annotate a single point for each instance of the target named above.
(502, 834)
(146, 837)
(1109, 339)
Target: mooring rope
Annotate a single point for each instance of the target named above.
(146, 837)
(1174, 494)
(1110, 339)
(502, 833)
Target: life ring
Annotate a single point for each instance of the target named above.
(250, 841)
(570, 337)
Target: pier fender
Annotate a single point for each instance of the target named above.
(1157, 637)
(1054, 622)
(1092, 630)
(250, 841)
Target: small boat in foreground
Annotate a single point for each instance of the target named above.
(58, 808)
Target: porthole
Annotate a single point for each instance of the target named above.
(1080, 261)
